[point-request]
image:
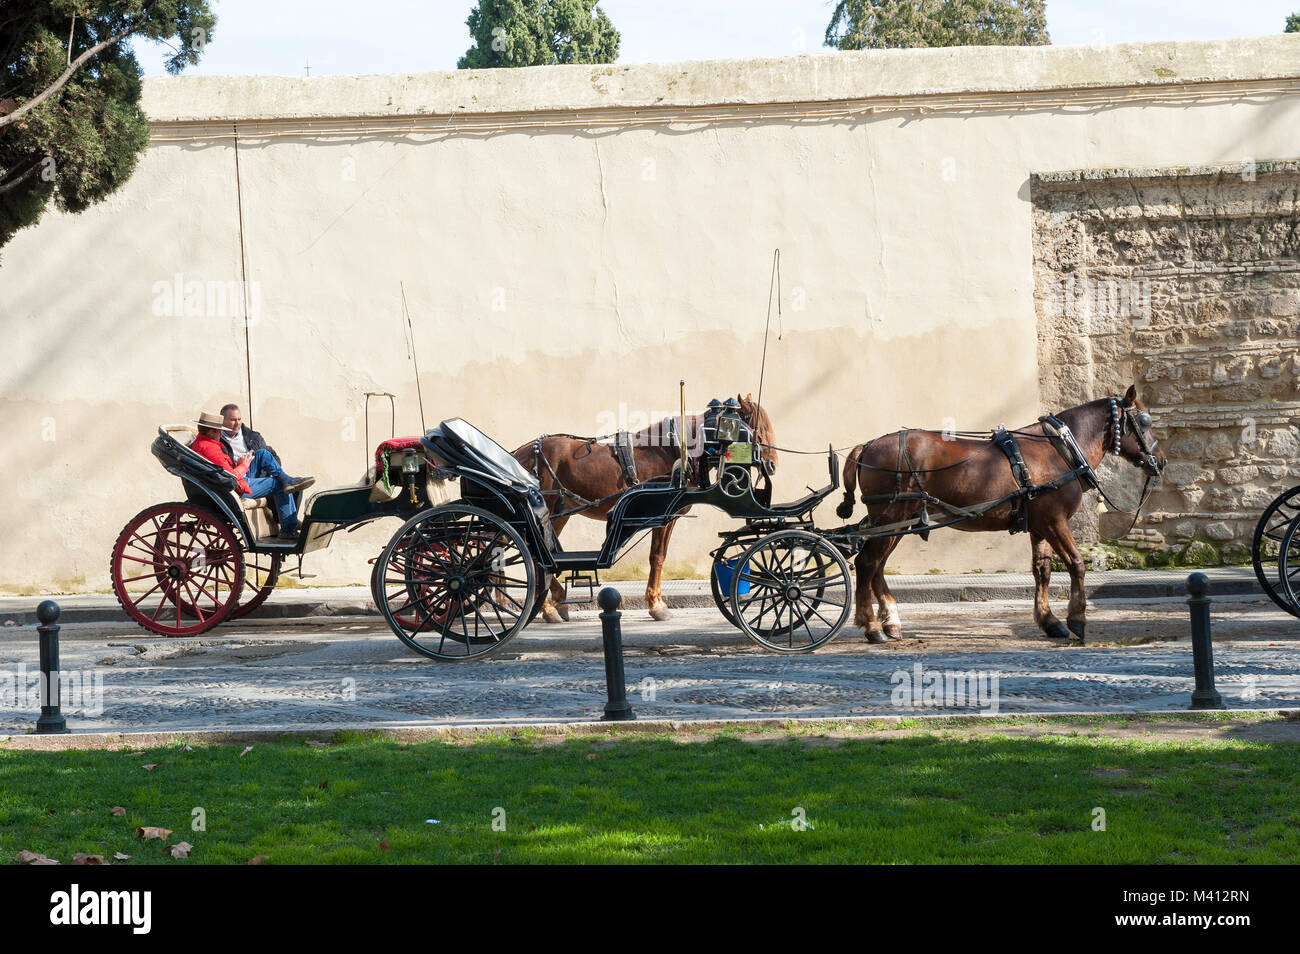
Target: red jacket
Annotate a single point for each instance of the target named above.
(209, 448)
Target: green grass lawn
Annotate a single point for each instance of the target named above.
(894, 796)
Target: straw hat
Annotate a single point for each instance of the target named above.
(211, 420)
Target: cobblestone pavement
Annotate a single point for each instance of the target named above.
(353, 673)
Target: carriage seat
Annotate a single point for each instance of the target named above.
(172, 451)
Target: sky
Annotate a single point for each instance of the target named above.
(288, 37)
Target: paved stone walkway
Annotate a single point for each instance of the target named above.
(352, 672)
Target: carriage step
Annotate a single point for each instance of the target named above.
(574, 560)
(577, 582)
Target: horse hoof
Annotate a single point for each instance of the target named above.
(661, 613)
(1076, 627)
(893, 631)
(876, 636)
(1057, 631)
(563, 610)
(550, 615)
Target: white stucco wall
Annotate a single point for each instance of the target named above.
(574, 240)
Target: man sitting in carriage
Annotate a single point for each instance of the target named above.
(258, 472)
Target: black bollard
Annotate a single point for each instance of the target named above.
(1204, 696)
(617, 709)
(51, 720)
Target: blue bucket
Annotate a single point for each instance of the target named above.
(724, 569)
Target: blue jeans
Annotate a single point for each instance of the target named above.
(267, 479)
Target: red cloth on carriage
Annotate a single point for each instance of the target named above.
(390, 446)
(209, 448)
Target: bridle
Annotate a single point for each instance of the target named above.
(1122, 420)
(766, 466)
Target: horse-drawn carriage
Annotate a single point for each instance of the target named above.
(458, 580)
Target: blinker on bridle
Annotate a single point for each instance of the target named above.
(1124, 418)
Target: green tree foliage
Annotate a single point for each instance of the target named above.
(1292, 23)
(70, 121)
(887, 24)
(539, 33)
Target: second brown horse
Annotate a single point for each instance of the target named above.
(969, 473)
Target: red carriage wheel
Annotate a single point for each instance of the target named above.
(175, 557)
(261, 573)
(404, 600)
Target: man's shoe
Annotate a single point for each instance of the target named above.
(288, 533)
(296, 484)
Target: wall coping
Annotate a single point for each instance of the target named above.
(813, 78)
(1260, 167)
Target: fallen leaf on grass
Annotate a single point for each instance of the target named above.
(118, 856)
(181, 849)
(256, 860)
(118, 811)
(323, 783)
(152, 832)
(592, 756)
(151, 766)
(32, 858)
(83, 859)
(245, 752)
(385, 846)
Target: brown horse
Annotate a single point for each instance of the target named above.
(966, 473)
(577, 472)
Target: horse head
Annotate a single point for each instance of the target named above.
(756, 417)
(1130, 436)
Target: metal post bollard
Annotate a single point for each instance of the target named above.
(1205, 696)
(617, 709)
(51, 719)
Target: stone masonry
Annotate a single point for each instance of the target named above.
(1185, 281)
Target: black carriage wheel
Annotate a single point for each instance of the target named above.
(1288, 564)
(1269, 534)
(455, 583)
(800, 592)
(172, 555)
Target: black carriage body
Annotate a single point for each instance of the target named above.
(492, 480)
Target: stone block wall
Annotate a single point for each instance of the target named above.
(1185, 281)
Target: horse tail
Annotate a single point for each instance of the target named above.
(845, 509)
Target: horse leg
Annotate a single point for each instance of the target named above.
(865, 612)
(554, 607)
(1042, 567)
(888, 606)
(654, 598)
(1062, 541)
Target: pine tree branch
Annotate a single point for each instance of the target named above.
(62, 81)
(16, 182)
